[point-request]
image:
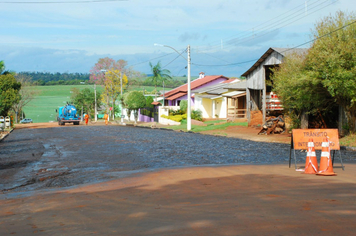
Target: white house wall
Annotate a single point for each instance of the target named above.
(220, 107)
(255, 80)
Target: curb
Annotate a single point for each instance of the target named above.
(6, 135)
(348, 148)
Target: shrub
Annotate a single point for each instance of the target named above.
(197, 115)
(177, 118)
(183, 105)
(176, 112)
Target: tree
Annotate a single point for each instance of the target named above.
(106, 72)
(3, 71)
(332, 60)
(2, 67)
(98, 76)
(112, 85)
(9, 93)
(325, 76)
(149, 101)
(299, 92)
(159, 75)
(133, 101)
(26, 95)
(85, 98)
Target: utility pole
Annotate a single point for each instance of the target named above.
(122, 106)
(189, 121)
(95, 111)
(163, 92)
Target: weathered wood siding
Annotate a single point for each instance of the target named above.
(255, 80)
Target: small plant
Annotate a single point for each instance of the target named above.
(176, 112)
(197, 115)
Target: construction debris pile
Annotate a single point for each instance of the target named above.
(273, 125)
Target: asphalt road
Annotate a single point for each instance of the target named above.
(33, 159)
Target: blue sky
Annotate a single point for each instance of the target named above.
(72, 35)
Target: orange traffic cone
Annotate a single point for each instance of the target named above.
(311, 163)
(326, 165)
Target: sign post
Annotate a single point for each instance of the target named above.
(300, 138)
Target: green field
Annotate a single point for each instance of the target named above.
(49, 98)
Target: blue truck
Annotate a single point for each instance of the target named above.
(68, 114)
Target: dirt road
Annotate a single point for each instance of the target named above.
(235, 200)
(113, 180)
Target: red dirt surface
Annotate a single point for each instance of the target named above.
(230, 200)
(256, 118)
(250, 133)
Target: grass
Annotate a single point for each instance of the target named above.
(214, 121)
(49, 98)
(349, 140)
(211, 126)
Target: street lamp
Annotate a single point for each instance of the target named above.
(120, 76)
(189, 120)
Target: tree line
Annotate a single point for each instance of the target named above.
(47, 79)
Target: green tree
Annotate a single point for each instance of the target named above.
(2, 67)
(313, 83)
(134, 100)
(159, 75)
(9, 93)
(85, 98)
(299, 92)
(332, 60)
(149, 100)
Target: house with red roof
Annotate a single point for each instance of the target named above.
(173, 97)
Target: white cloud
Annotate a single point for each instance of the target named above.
(52, 36)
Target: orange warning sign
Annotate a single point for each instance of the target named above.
(300, 138)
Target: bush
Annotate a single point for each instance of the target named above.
(183, 105)
(197, 115)
(177, 118)
(176, 112)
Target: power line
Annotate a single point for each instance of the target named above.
(268, 22)
(268, 32)
(61, 2)
(175, 58)
(279, 23)
(313, 40)
(265, 32)
(139, 63)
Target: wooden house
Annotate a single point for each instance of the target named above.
(259, 92)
